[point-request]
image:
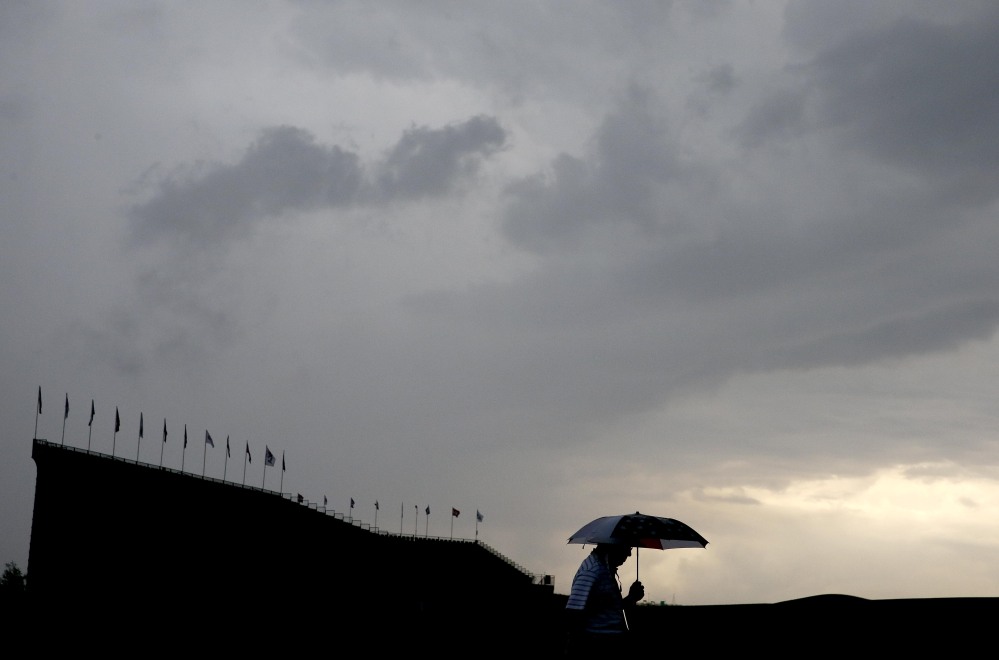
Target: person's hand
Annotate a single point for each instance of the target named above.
(636, 592)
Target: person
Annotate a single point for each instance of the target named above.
(595, 610)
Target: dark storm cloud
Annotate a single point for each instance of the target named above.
(619, 187)
(285, 170)
(921, 95)
(786, 282)
(428, 162)
(943, 328)
(917, 93)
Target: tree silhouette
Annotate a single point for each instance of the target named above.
(12, 581)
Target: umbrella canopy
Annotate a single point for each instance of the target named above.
(638, 530)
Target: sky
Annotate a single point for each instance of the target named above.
(730, 262)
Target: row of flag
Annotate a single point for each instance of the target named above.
(454, 512)
(269, 458)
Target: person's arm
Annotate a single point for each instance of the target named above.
(575, 623)
(574, 620)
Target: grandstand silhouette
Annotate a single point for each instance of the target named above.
(128, 532)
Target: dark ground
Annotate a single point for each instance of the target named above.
(818, 626)
(823, 625)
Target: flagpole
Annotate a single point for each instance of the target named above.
(416, 518)
(90, 424)
(226, 464)
(426, 529)
(64, 417)
(281, 487)
(400, 518)
(246, 455)
(452, 523)
(163, 444)
(267, 455)
(204, 455)
(38, 410)
(117, 425)
(376, 514)
(184, 454)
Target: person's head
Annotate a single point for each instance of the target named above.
(614, 553)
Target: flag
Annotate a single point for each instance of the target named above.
(140, 425)
(300, 498)
(208, 439)
(39, 399)
(478, 516)
(66, 414)
(248, 457)
(455, 512)
(428, 509)
(164, 429)
(227, 453)
(185, 436)
(268, 456)
(324, 500)
(282, 461)
(91, 422)
(376, 505)
(352, 503)
(117, 420)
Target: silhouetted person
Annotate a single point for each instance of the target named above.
(595, 610)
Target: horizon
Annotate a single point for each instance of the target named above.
(828, 599)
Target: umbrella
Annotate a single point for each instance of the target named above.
(638, 530)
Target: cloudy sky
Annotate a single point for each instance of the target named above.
(730, 262)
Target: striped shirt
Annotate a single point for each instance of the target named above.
(596, 591)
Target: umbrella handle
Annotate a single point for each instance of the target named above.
(636, 562)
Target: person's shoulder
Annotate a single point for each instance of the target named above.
(589, 574)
